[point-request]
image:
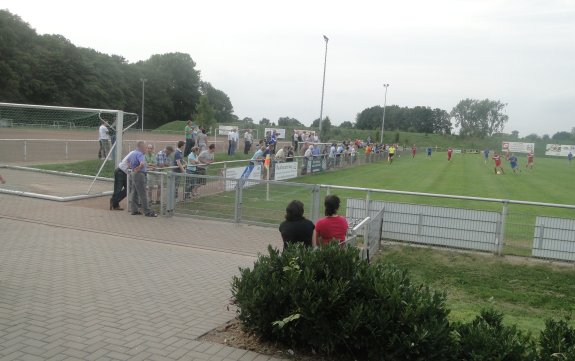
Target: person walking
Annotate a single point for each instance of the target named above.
(137, 162)
(231, 138)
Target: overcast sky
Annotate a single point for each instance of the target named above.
(268, 55)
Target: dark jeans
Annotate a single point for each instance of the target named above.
(247, 146)
(120, 187)
(189, 145)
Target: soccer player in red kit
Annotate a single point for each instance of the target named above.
(530, 156)
(497, 159)
(413, 151)
(449, 153)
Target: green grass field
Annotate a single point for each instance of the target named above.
(526, 292)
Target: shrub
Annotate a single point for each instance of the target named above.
(487, 339)
(332, 301)
(557, 341)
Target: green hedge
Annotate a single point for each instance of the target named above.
(330, 301)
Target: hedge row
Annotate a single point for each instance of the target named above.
(330, 300)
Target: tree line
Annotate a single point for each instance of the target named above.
(50, 70)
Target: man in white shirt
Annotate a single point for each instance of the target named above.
(230, 141)
(248, 139)
(236, 141)
(104, 140)
(280, 155)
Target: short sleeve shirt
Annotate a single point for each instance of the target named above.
(188, 131)
(178, 156)
(329, 228)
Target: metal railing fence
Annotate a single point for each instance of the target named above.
(503, 227)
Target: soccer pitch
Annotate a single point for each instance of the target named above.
(550, 180)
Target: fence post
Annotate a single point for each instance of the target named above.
(501, 237)
(128, 195)
(67, 150)
(239, 200)
(25, 150)
(315, 202)
(171, 194)
(367, 203)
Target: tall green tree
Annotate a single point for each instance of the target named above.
(220, 102)
(265, 122)
(479, 118)
(205, 114)
(289, 122)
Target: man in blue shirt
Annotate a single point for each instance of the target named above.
(513, 163)
(137, 162)
(486, 155)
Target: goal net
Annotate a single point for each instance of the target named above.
(61, 140)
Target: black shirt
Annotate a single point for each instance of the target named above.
(297, 231)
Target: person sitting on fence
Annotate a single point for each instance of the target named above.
(192, 183)
(331, 227)
(296, 228)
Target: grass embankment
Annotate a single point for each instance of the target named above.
(526, 291)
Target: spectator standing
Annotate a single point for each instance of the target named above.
(280, 156)
(290, 155)
(192, 184)
(153, 179)
(137, 163)
(205, 158)
(570, 157)
(202, 140)
(296, 228)
(295, 140)
(530, 157)
(103, 140)
(163, 162)
(179, 164)
(331, 227)
(189, 130)
(248, 140)
(120, 183)
(231, 139)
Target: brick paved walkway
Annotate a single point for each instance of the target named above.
(81, 283)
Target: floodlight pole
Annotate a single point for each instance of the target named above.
(323, 84)
(383, 117)
(143, 91)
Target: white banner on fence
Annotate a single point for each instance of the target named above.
(238, 172)
(559, 150)
(518, 147)
(281, 133)
(225, 129)
(286, 170)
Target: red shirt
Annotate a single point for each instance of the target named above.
(497, 159)
(530, 157)
(329, 228)
(449, 151)
(413, 150)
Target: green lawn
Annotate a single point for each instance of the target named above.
(527, 292)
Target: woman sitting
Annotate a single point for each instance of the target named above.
(296, 229)
(331, 227)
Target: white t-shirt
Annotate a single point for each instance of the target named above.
(231, 135)
(103, 132)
